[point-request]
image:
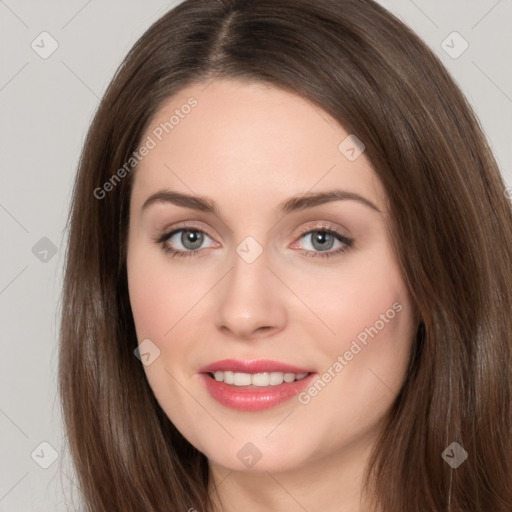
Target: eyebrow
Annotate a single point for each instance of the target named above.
(296, 203)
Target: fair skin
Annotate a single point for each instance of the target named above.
(249, 147)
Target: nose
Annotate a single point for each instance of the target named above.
(250, 301)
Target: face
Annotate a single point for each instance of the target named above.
(285, 267)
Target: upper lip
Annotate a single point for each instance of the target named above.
(255, 366)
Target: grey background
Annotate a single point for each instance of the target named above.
(47, 105)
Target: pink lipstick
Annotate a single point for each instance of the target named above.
(254, 385)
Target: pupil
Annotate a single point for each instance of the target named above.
(191, 239)
(324, 241)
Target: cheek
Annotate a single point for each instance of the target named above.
(160, 294)
(368, 320)
(353, 296)
(149, 300)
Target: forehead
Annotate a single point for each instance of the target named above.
(228, 138)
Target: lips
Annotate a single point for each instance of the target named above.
(256, 366)
(251, 398)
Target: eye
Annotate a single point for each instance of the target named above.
(322, 239)
(184, 241)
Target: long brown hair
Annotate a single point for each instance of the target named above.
(451, 228)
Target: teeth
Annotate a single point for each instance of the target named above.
(257, 379)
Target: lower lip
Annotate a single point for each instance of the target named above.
(254, 398)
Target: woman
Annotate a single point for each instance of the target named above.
(288, 281)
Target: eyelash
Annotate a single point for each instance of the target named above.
(175, 253)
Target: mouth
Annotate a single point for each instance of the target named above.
(252, 386)
(264, 379)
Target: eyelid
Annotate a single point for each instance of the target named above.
(168, 232)
(325, 226)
